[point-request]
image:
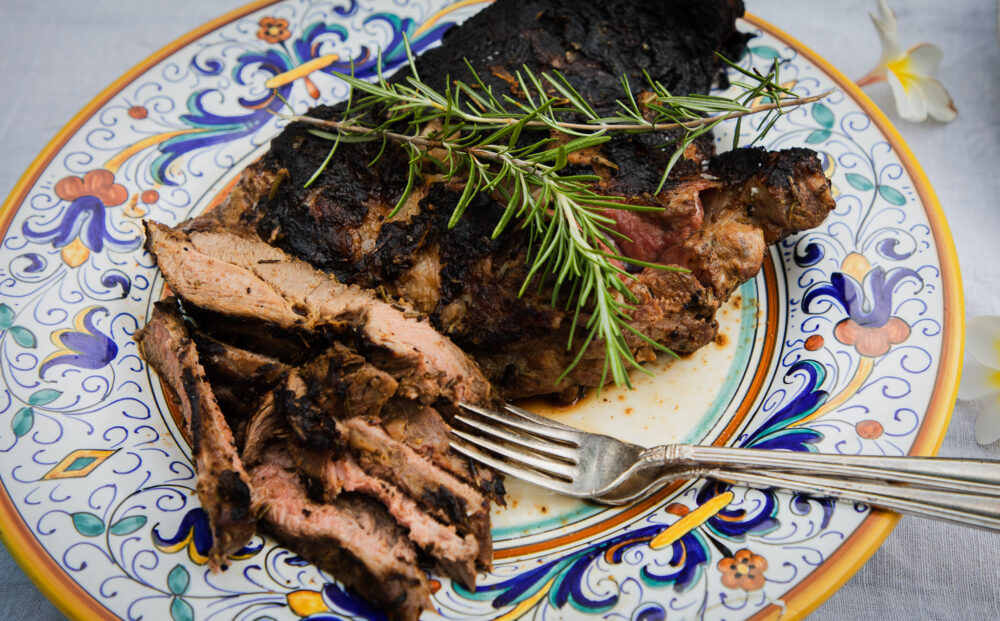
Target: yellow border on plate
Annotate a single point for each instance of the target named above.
(77, 603)
(807, 595)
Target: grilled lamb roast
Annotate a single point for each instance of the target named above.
(718, 213)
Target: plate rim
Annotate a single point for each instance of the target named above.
(77, 603)
(855, 551)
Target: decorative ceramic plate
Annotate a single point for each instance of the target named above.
(847, 342)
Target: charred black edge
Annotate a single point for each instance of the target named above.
(447, 502)
(190, 385)
(236, 494)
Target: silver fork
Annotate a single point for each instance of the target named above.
(601, 468)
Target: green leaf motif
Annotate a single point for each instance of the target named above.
(892, 195)
(181, 610)
(22, 422)
(23, 337)
(6, 316)
(178, 580)
(817, 136)
(823, 115)
(859, 183)
(44, 396)
(765, 51)
(127, 525)
(88, 524)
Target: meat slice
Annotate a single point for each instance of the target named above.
(240, 277)
(238, 377)
(439, 493)
(223, 485)
(225, 363)
(267, 426)
(422, 428)
(342, 383)
(455, 555)
(352, 537)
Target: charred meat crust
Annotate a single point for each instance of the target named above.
(593, 45)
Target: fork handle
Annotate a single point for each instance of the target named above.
(956, 507)
(972, 476)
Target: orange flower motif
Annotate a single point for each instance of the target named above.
(273, 30)
(872, 341)
(866, 294)
(99, 183)
(744, 570)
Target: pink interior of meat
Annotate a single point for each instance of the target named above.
(655, 237)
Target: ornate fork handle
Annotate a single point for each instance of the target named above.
(957, 507)
(964, 491)
(970, 476)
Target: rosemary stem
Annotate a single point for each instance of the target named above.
(781, 104)
(421, 141)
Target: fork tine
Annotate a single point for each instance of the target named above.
(532, 442)
(531, 425)
(547, 466)
(531, 476)
(541, 420)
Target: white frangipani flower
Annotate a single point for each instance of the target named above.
(981, 374)
(910, 74)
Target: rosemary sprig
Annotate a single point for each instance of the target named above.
(484, 142)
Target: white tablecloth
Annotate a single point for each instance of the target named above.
(55, 55)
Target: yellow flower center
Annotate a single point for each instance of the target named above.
(901, 69)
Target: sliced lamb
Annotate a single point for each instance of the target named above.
(222, 485)
(352, 537)
(233, 365)
(422, 428)
(438, 492)
(247, 278)
(238, 377)
(455, 555)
